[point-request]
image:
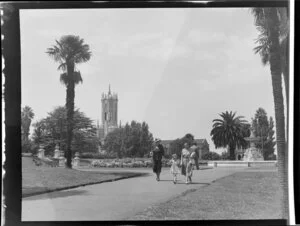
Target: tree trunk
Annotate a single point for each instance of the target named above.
(231, 152)
(275, 66)
(70, 114)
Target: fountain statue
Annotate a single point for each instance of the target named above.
(252, 153)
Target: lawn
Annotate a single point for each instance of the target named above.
(244, 195)
(42, 179)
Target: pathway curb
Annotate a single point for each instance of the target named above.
(82, 185)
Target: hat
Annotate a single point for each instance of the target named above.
(157, 140)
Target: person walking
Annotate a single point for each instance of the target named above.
(185, 159)
(194, 148)
(157, 155)
(189, 168)
(174, 168)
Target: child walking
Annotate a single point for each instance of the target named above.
(174, 167)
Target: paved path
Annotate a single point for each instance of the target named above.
(114, 200)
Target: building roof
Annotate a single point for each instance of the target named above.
(165, 142)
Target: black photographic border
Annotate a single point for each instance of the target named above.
(11, 51)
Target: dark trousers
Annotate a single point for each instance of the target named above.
(197, 163)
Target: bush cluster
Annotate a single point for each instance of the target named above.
(96, 155)
(127, 163)
(211, 156)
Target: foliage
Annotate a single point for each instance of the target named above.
(263, 128)
(26, 117)
(263, 23)
(211, 156)
(132, 140)
(176, 146)
(52, 130)
(269, 147)
(69, 51)
(269, 22)
(230, 131)
(225, 155)
(27, 146)
(95, 155)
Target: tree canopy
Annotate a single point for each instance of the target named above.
(69, 51)
(264, 128)
(229, 131)
(132, 140)
(52, 130)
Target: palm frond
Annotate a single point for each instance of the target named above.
(62, 67)
(76, 77)
(64, 78)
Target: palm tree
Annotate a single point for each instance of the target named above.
(26, 116)
(229, 132)
(268, 22)
(263, 47)
(69, 51)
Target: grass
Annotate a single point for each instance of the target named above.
(39, 179)
(242, 196)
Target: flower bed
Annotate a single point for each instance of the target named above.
(127, 163)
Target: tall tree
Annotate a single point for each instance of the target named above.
(26, 118)
(260, 125)
(132, 140)
(69, 51)
(268, 23)
(263, 42)
(52, 130)
(229, 132)
(270, 142)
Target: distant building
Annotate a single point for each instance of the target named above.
(109, 115)
(201, 143)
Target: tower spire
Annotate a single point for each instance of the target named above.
(109, 93)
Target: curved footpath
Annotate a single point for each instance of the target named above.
(116, 200)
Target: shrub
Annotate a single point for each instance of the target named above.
(225, 155)
(95, 155)
(211, 156)
(27, 146)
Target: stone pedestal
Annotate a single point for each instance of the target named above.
(76, 160)
(252, 153)
(41, 152)
(56, 152)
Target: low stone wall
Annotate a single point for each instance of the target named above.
(242, 163)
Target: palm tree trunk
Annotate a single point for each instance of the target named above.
(275, 66)
(70, 114)
(231, 152)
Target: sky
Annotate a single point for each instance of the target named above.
(176, 69)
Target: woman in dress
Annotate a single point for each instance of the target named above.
(185, 159)
(157, 155)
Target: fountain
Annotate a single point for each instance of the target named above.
(252, 153)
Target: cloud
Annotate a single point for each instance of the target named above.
(155, 46)
(50, 33)
(201, 37)
(206, 85)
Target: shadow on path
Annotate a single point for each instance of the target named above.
(183, 182)
(59, 194)
(193, 183)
